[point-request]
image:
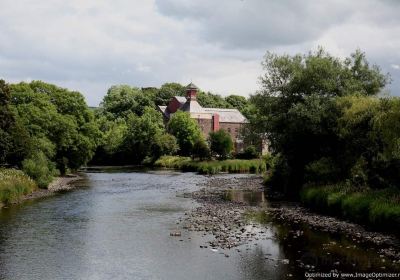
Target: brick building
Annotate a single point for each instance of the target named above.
(209, 119)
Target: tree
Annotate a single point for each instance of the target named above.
(297, 111)
(207, 99)
(6, 121)
(165, 144)
(58, 121)
(146, 137)
(186, 131)
(167, 91)
(221, 143)
(122, 100)
(201, 149)
(237, 101)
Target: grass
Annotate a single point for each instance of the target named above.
(377, 208)
(14, 184)
(212, 167)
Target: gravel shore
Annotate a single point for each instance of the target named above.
(225, 217)
(62, 183)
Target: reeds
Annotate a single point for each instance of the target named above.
(14, 184)
(377, 208)
(212, 167)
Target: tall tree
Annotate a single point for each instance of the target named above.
(296, 107)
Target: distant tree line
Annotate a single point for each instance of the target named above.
(46, 130)
(134, 130)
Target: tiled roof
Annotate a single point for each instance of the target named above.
(227, 115)
(181, 99)
(191, 86)
(192, 106)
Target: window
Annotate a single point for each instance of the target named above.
(229, 129)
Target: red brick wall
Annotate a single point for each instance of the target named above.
(232, 128)
(206, 126)
(173, 105)
(215, 119)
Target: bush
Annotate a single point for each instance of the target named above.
(323, 171)
(212, 167)
(171, 161)
(39, 168)
(221, 143)
(250, 152)
(201, 149)
(377, 208)
(14, 184)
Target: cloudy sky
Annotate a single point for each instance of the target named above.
(89, 45)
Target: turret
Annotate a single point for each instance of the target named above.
(191, 92)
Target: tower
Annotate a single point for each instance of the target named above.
(191, 92)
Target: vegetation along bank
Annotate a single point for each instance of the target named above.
(333, 134)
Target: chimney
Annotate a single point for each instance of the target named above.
(215, 122)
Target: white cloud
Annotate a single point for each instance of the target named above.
(395, 66)
(89, 45)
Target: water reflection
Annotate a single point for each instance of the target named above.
(252, 198)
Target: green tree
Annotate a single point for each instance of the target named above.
(167, 91)
(201, 149)
(296, 109)
(237, 101)
(6, 121)
(186, 131)
(207, 99)
(221, 143)
(58, 121)
(123, 100)
(146, 136)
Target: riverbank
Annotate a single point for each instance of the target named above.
(231, 210)
(256, 166)
(59, 184)
(62, 183)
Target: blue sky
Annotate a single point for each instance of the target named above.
(89, 45)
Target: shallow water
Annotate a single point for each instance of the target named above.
(117, 226)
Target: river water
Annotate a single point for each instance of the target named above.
(117, 225)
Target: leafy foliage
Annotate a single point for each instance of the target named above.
(221, 143)
(186, 131)
(14, 184)
(201, 149)
(302, 111)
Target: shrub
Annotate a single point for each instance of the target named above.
(377, 208)
(39, 168)
(250, 152)
(212, 167)
(323, 170)
(201, 149)
(221, 143)
(14, 184)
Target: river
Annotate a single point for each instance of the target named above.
(117, 224)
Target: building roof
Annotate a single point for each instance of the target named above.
(227, 115)
(181, 99)
(191, 86)
(192, 106)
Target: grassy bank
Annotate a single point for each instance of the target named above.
(377, 208)
(14, 184)
(212, 167)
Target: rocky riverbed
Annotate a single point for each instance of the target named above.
(231, 208)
